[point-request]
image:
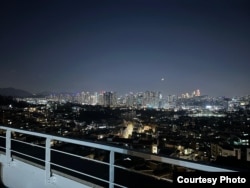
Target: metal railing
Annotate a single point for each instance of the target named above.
(47, 153)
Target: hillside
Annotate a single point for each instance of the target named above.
(14, 92)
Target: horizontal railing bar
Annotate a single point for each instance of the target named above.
(141, 172)
(3, 137)
(118, 185)
(1, 147)
(30, 156)
(68, 140)
(121, 167)
(27, 143)
(67, 153)
(81, 157)
(94, 160)
(78, 172)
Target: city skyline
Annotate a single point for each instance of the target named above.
(169, 46)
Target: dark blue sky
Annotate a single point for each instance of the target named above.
(123, 46)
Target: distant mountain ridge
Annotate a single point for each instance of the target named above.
(15, 92)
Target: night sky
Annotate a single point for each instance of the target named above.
(126, 46)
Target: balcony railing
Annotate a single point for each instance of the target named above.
(101, 164)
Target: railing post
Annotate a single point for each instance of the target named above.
(111, 169)
(47, 160)
(8, 145)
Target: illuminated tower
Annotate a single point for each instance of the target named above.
(197, 93)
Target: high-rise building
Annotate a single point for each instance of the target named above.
(109, 99)
(197, 93)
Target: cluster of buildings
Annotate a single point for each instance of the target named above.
(198, 128)
(153, 99)
(142, 100)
